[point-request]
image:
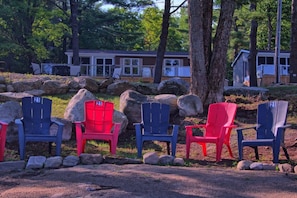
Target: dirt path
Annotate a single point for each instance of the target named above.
(108, 180)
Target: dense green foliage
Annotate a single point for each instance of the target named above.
(40, 30)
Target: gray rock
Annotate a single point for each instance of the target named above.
(178, 161)
(119, 117)
(88, 159)
(151, 158)
(118, 87)
(166, 160)
(71, 161)
(244, 165)
(51, 87)
(146, 88)
(75, 108)
(35, 92)
(12, 111)
(88, 83)
(189, 105)
(8, 166)
(130, 105)
(53, 162)
(269, 166)
(11, 96)
(285, 168)
(175, 86)
(169, 99)
(67, 129)
(256, 166)
(3, 88)
(36, 162)
(26, 85)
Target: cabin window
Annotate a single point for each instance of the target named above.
(131, 66)
(170, 67)
(103, 67)
(85, 60)
(265, 60)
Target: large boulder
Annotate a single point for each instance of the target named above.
(73, 86)
(67, 129)
(10, 111)
(26, 85)
(75, 108)
(118, 87)
(130, 105)
(146, 88)
(169, 99)
(175, 86)
(3, 88)
(86, 82)
(12, 96)
(189, 105)
(51, 87)
(119, 117)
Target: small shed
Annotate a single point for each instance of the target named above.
(266, 74)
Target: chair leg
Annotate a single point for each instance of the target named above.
(240, 151)
(230, 151)
(286, 153)
(50, 147)
(188, 146)
(168, 148)
(204, 149)
(22, 149)
(139, 143)
(256, 152)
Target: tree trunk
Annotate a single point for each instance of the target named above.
(293, 54)
(207, 30)
(216, 77)
(198, 79)
(163, 42)
(74, 26)
(253, 49)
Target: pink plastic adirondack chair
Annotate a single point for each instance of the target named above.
(217, 129)
(3, 128)
(98, 125)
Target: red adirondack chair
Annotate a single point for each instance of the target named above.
(98, 125)
(3, 128)
(217, 129)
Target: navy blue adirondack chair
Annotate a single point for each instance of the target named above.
(155, 126)
(35, 124)
(270, 129)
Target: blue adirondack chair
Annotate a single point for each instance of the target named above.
(270, 129)
(155, 126)
(35, 124)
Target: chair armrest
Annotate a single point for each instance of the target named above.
(196, 126)
(57, 123)
(280, 134)
(3, 123)
(116, 128)
(246, 128)
(60, 128)
(175, 131)
(18, 121)
(284, 126)
(239, 131)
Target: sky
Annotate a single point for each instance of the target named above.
(160, 3)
